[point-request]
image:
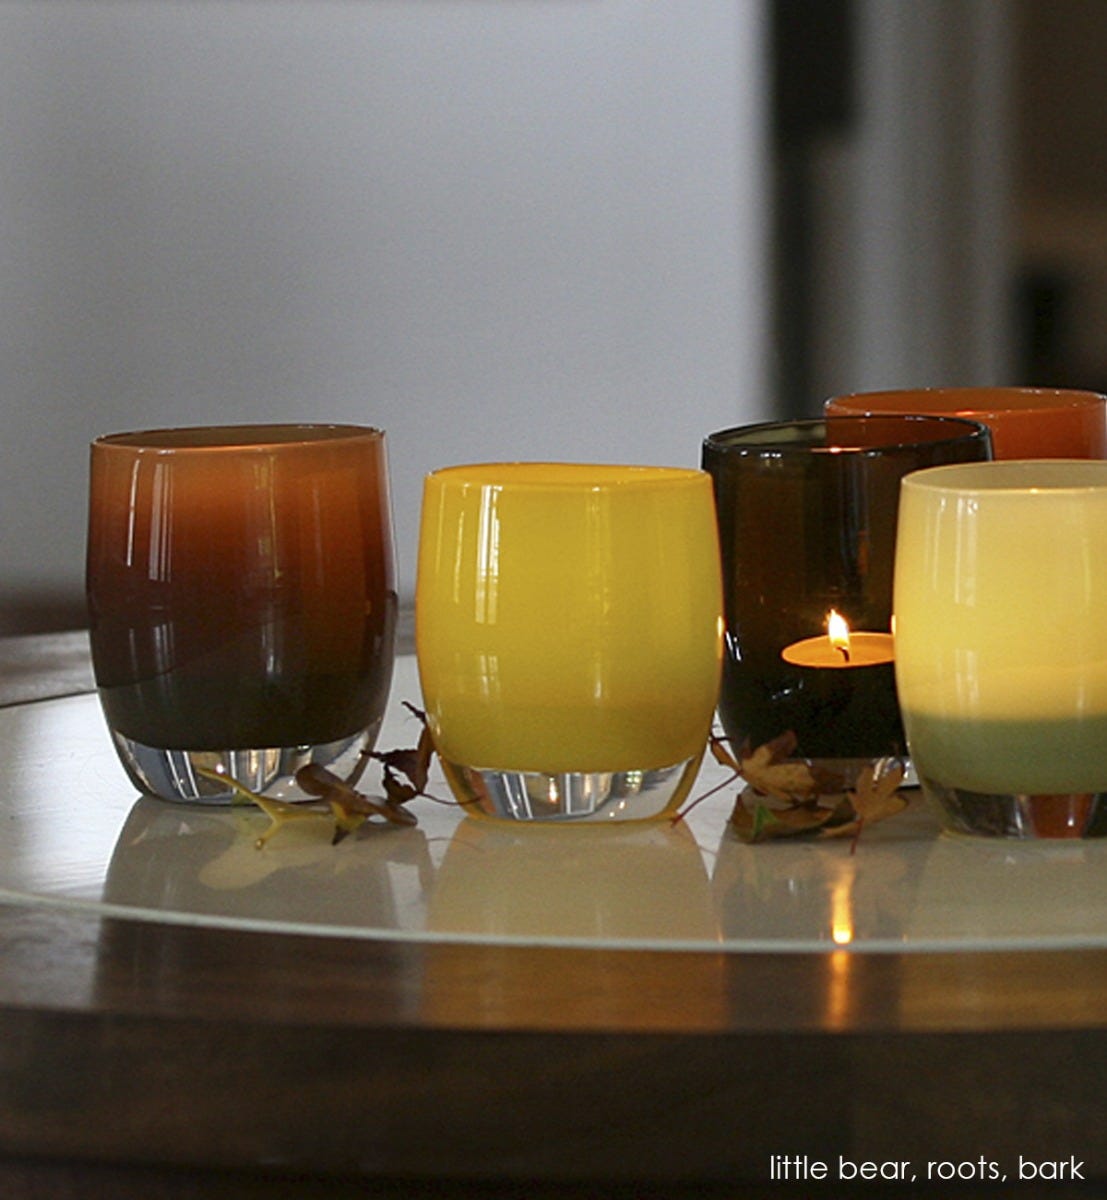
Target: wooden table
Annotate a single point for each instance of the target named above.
(140, 1058)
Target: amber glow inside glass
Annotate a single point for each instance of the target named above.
(242, 602)
(1025, 422)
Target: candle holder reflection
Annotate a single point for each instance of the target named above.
(794, 893)
(1022, 893)
(645, 882)
(200, 862)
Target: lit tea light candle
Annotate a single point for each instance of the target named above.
(840, 647)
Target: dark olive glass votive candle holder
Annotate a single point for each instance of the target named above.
(807, 515)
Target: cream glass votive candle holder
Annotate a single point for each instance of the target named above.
(1000, 609)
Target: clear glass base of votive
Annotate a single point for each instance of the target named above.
(271, 771)
(837, 775)
(1019, 815)
(571, 797)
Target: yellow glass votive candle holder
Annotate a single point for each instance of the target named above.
(1000, 609)
(568, 628)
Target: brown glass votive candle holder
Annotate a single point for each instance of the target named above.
(242, 602)
(807, 516)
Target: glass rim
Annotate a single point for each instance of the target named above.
(986, 401)
(757, 439)
(1013, 477)
(234, 438)
(551, 475)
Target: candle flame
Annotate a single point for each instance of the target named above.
(837, 629)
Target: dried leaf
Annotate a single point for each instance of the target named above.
(771, 771)
(803, 818)
(346, 821)
(281, 814)
(748, 823)
(761, 823)
(414, 764)
(873, 798)
(350, 807)
(809, 801)
(877, 796)
(721, 753)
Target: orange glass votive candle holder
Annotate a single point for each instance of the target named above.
(1025, 422)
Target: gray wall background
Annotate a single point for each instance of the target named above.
(496, 228)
